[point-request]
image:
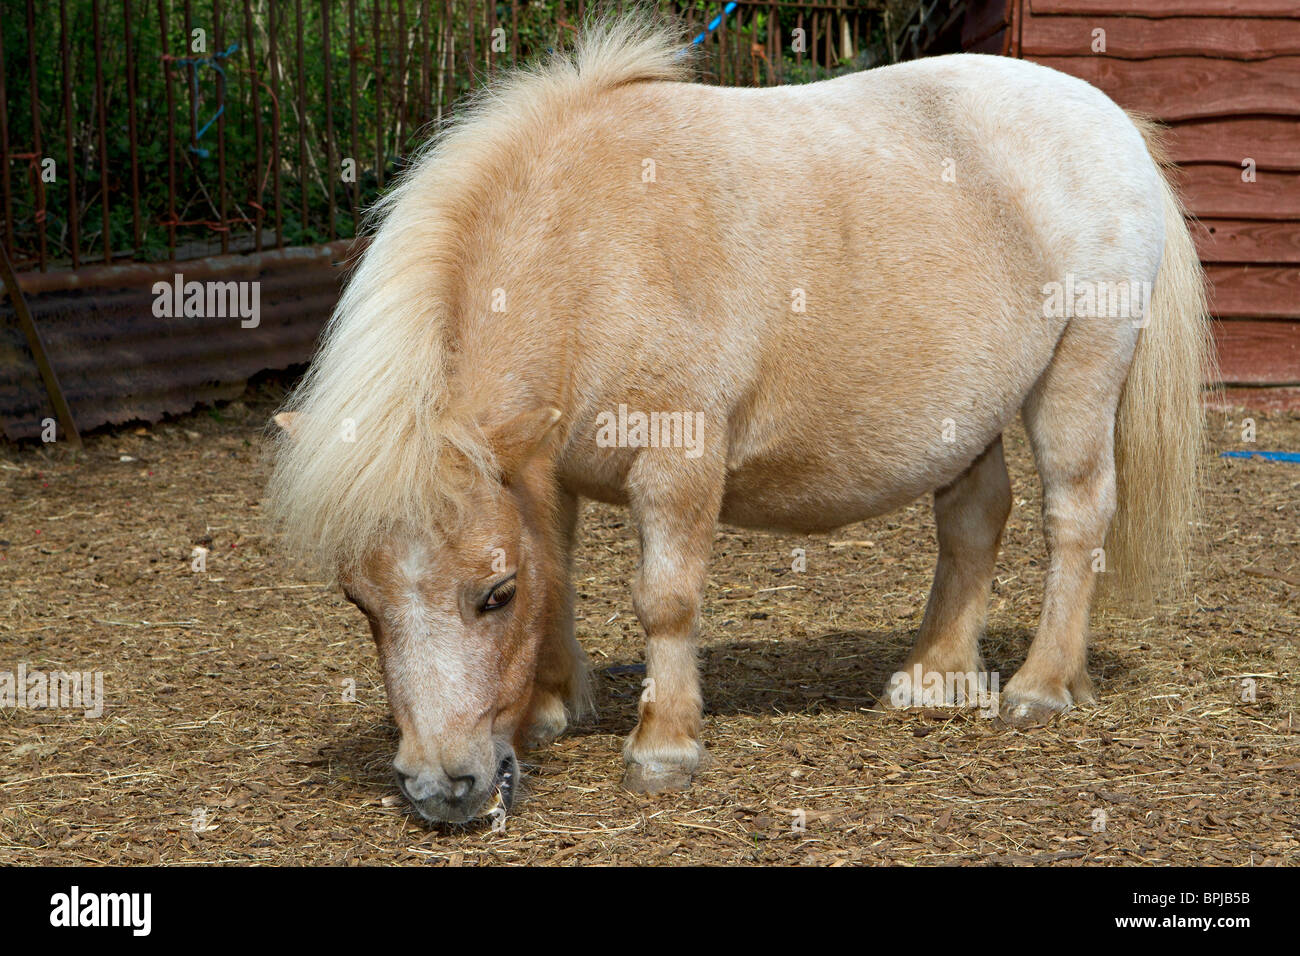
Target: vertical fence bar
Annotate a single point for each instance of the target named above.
(741, 47)
(721, 48)
(330, 167)
(773, 45)
(810, 41)
(426, 64)
(444, 68)
(473, 53)
(779, 46)
(514, 32)
(857, 34)
(103, 131)
(400, 85)
(833, 37)
(273, 51)
(257, 183)
(740, 76)
(379, 96)
(729, 31)
(74, 215)
(34, 100)
(814, 18)
(447, 64)
(164, 43)
(222, 203)
(830, 38)
(450, 85)
(132, 128)
(691, 30)
(302, 118)
(6, 188)
(490, 43)
(828, 19)
(803, 37)
(352, 96)
(186, 46)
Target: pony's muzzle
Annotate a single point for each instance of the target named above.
(458, 795)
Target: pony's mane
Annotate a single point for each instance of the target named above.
(380, 374)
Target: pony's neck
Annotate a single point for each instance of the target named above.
(495, 377)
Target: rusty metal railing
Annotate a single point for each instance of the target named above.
(163, 130)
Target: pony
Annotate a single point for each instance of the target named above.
(789, 308)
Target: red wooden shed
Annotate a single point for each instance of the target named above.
(1225, 76)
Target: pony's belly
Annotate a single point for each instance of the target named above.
(788, 495)
(809, 510)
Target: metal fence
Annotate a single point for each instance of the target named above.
(163, 130)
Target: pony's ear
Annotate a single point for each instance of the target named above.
(517, 440)
(288, 423)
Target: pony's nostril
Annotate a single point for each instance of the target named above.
(416, 786)
(461, 787)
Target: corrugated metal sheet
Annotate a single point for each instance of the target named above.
(118, 362)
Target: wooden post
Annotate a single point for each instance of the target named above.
(34, 342)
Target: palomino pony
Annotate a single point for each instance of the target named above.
(788, 308)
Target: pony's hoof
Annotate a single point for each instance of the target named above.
(541, 735)
(1029, 710)
(546, 723)
(901, 693)
(640, 778)
(922, 686)
(1026, 705)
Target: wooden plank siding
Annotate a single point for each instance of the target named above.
(1188, 87)
(1258, 353)
(1168, 8)
(1274, 143)
(1254, 291)
(1247, 241)
(1135, 38)
(1224, 76)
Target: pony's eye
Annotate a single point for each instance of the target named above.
(500, 595)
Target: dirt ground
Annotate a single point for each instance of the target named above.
(226, 738)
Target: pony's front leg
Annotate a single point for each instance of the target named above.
(676, 510)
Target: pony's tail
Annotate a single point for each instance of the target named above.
(1160, 428)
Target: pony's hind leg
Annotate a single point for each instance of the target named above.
(1070, 418)
(944, 665)
(560, 691)
(560, 687)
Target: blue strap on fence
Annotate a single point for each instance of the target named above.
(1289, 456)
(194, 64)
(715, 23)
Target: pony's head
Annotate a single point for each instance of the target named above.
(458, 610)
